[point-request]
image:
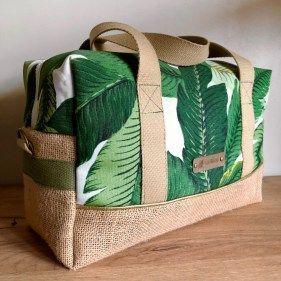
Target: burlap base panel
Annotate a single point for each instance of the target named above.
(81, 235)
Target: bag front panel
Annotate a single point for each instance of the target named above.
(92, 96)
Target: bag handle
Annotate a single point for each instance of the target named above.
(187, 50)
(182, 52)
(153, 148)
(246, 77)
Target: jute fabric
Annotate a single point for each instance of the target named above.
(51, 146)
(81, 235)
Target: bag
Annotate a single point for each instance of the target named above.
(120, 147)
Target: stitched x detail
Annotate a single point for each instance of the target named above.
(246, 97)
(150, 104)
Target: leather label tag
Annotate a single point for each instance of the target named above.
(205, 163)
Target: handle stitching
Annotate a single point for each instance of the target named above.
(150, 98)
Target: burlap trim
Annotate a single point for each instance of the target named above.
(80, 236)
(51, 146)
(51, 212)
(101, 233)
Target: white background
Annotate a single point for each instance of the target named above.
(41, 29)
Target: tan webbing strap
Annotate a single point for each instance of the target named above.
(246, 73)
(189, 50)
(181, 51)
(154, 160)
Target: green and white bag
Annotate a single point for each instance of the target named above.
(135, 135)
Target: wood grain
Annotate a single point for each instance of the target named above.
(243, 244)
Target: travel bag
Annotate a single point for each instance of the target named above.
(137, 134)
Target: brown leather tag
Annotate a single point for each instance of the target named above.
(205, 163)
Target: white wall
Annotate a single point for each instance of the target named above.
(40, 29)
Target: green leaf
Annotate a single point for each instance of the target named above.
(258, 143)
(105, 95)
(171, 78)
(225, 70)
(233, 146)
(232, 174)
(136, 196)
(99, 119)
(62, 120)
(59, 123)
(116, 168)
(234, 132)
(30, 88)
(101, 70)
(260, 90)
(25, 72)
(106, 92)
(202, 115)
(47, 105)
(223, 73)
(180, 181)
(234, 137)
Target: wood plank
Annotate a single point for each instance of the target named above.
(243, 244)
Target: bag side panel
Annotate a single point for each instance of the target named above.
(51, 212)
(50, 209)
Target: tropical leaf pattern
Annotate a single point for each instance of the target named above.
(203, 118)
(121, 156)
(233, 149)
(92, 95)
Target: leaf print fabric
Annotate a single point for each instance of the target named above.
(202, 115)
(93, 96)
(121, 156)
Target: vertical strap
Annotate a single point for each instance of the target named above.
(246, 73)
(182, 51)
(153, 148)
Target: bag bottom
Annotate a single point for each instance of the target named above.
(81, 235)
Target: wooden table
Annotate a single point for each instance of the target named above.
(243, 244)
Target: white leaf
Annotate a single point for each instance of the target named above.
(174, 135)
(35, 108)
(63, 81)
(221, 74)
(81, 175)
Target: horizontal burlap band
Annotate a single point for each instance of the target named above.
(82, 235)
